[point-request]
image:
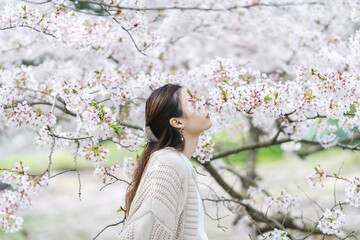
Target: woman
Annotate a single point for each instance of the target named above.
(163, 201)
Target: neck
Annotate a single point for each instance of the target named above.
(190, 145)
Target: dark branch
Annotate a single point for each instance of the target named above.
(249, 147)
(110, 225)
(195, 8)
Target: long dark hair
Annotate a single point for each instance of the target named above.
(164, 103)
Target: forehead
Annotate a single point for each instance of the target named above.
(184, 95)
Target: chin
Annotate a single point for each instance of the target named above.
(209, 125)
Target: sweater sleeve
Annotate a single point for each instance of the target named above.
(155, 210)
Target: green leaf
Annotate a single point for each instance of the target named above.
(267, 98)
(276, 95)
(188, 91)
(244, 77)
(94, 104)
(117, 128)
(225, 81)
(352, 109)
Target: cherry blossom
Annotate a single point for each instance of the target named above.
(204, 149)
(352, 191)
(11, 201)
(128, 167)
(332, 222)
(106, 174)
(316, 178)
(95, 154)
(277, 234)
(283, 203)
(25, 116)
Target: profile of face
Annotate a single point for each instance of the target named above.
(193, 123)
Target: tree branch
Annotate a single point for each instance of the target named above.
(110, 225)
(196, 8)
(251, 146)
(220, 181)
(132, 39)
(32, 28)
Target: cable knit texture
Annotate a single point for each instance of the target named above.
(165, 205)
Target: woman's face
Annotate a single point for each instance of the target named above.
(194, 124)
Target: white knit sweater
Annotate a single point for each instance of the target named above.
(165, 205)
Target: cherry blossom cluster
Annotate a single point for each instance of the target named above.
(14, 83)
(303, 104)
(277, 234)
(97, 121)
(106, 174)
(129, 140)
(73, 94)
(118, 84)
(57, 137)
(128, 167)
(23, 115)
(355, 5)
(352, 191)
(317, 177)
(204, 148)
(156, 79)
(97, 155)
(94, 154)
(195, 104)
(352, 188)
(25, 187)
(79, 31)
(283, 203)
(332, 222)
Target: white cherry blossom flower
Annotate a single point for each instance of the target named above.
(352, 191)
(283, 203)
(332, 222)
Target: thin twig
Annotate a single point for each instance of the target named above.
(312, 200)
(51, 152)
(32, 28)
(338, 174)
(110, 225)
(46, 1)
(76, 168)
(70, 170)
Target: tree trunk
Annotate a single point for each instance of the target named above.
(250, 160)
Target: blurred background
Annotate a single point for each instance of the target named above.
(58, 213)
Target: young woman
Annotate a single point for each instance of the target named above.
(163, 201)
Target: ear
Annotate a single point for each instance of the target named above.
(176, 123)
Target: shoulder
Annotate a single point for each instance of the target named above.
(169, 158)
